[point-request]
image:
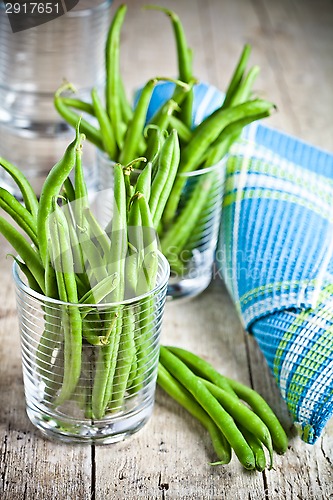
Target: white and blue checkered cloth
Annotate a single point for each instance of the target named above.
(276, 256)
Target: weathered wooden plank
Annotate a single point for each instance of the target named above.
(292, 43)
(30, 466)
(298, 39)
(232, 25)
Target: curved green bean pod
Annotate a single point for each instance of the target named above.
(242, 414)
(132, 374)
(184, 61)
(143, 184)
(95, 264)
(78, 260)
(92, 319)
(264, 411)
(71, 318)
(220, 147)
(107, 358)
(28, 194)
(201, 367)
(135, 240)
(161, 125)
(256, 447)
(162, 116)
(221, 418)
(250, 396)
(51, 189)
(237, 75)
(51, 289)
(155, 140)
(19, 214)
(116, 260)
(91, 132)
(219, 150)
(146, 273)
(81, 192)
(30, 277)
(175, 238)
(184, 132)
(86, 107)
(244, 90)
(149, 233)
(24, 250)
(129, 188)
(161, 119)
(106, 363)
(184, 54)
(107, 132)
(202, 137)
(126, 352)
(135, 128)
(209, 129)
(178, 392)
(80, 188)
(50, 336)
(113, 85)
(97, 233)
(101, 290)
(165, 177)
(165, 174)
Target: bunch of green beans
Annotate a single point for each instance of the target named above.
(66, 255)
(236, 417)
(123, 132)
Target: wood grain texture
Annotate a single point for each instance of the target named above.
(292, 42)
(30, 466)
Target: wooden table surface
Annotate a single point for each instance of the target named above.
(168, 459)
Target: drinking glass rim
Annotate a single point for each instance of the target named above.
(44, 298)
(205, 170)
(193, 173)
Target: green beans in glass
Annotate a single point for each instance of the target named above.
(90, 304)
(67, 349)
(189, 242)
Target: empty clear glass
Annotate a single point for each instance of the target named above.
(33, 64)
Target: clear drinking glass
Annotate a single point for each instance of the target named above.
(190, 242)
(33, 64)
(90, 370)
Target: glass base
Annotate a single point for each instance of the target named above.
(106, 431)
(187, 287)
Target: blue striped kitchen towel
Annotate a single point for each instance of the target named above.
(275, 253)
(276, 256)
